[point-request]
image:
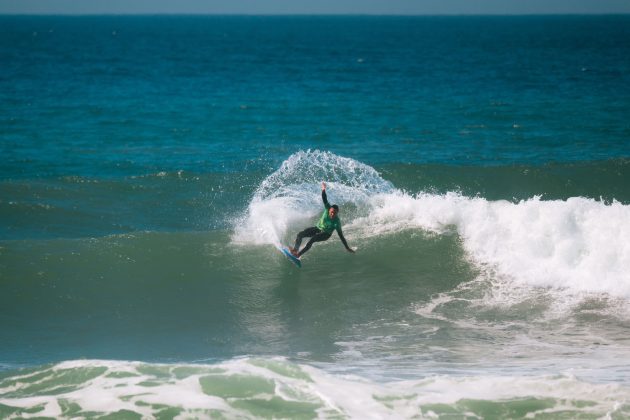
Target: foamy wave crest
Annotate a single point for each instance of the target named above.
(292, 194)
(579, 244)
(275, 388)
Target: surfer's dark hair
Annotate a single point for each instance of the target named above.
(336, 207)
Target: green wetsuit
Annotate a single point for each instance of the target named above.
(328, 225)
(325, 227)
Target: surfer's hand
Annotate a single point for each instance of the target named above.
(323, 186)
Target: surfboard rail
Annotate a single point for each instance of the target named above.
(291, 257)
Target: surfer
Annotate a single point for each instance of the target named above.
(328, 222)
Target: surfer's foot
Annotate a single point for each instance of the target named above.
(294, 252)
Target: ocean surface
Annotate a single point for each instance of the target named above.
(150, 166)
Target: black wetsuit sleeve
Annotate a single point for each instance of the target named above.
(343, 240)
(325, 200)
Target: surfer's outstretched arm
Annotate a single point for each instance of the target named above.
(330, 218)
(343, 240)
(324, 198)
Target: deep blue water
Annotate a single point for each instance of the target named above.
(115, 96)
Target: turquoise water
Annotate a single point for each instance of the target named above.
(151, 166)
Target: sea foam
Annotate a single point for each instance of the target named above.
(275, 387)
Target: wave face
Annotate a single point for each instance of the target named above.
(261, 388)
(440, 279)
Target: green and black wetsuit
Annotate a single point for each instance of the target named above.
(324, 229)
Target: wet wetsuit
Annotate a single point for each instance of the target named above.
(322, 231)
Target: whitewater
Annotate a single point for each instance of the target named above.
(275, 388)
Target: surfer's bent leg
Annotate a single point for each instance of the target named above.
(321, 236)
(306, 233)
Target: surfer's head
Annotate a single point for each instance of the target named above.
(333, 211)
